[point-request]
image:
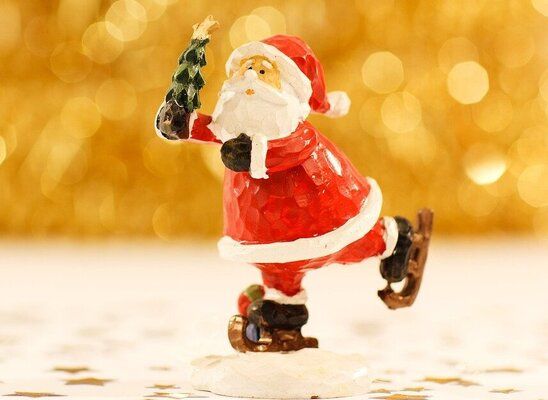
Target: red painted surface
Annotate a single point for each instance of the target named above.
(312, 188)
(307, 194)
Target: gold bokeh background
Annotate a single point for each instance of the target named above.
(450, 110)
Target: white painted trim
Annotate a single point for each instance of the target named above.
(313, 247)
(390, 236)
(193, 118)
(280, 297)
(259, 147)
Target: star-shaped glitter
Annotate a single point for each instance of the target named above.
(33, 394)
(504, 391)
(403, 397)
(163, 387)
(511, 370)
(72, 370)
(178, 396)
(379, 391)
(446, 380)
(414, 389)
(164, 395)
(88, 381)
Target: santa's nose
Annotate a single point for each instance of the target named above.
(250, 74)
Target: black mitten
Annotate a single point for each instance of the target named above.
(394, 268)
(236, 153)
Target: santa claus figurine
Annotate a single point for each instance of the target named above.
(293, 202)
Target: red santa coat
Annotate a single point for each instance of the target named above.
(314, 209)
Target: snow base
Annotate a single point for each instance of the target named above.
(302, 374)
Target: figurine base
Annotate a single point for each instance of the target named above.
(303, 374)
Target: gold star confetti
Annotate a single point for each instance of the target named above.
(380, 391)
(88, 381)
(379, 380)
(71, 370)
(34, 394)
(446, 380)
(398, 396)
(162, 387)
(504, 391)
(166, 395)
(510, 370)
(414, 389)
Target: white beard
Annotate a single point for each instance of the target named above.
(269, 112)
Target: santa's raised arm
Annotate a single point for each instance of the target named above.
(266, 97)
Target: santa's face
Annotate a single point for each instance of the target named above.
(256, 100)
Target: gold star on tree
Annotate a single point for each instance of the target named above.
(204, 29)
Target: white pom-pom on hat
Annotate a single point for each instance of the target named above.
(339, 104)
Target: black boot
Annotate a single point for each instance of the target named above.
(394, 268)
(271, 326)
(268, 314)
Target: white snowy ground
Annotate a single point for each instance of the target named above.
(133, 316)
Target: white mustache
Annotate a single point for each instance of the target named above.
(262, 90)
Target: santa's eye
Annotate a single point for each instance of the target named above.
(261, 71)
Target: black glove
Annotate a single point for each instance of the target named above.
(173, 121)
(236, 153)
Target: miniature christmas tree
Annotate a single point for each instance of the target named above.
(187, 81)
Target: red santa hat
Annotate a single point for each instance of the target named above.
(299, 67)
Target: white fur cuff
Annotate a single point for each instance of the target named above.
(259, 147)
(279, 297)
(390, 236)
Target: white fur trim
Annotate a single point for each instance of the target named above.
(339, 104)
(390, 236)
(289, 70)
(193, 118)
(259, 147)
(313, 247)
(280, 297)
